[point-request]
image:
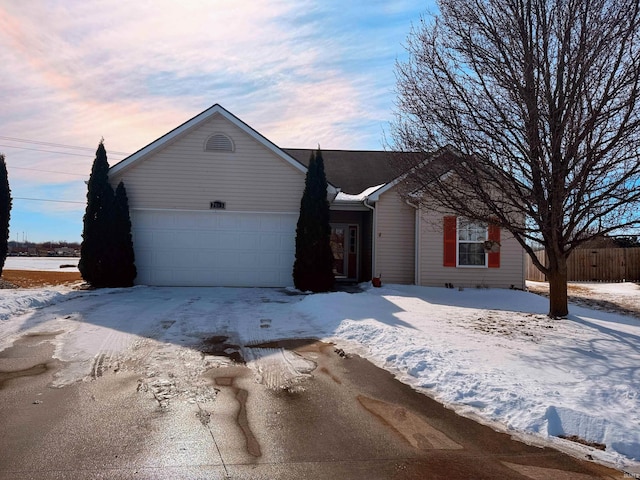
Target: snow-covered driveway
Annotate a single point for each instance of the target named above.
(491, 354)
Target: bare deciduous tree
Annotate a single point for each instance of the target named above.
(539, 100)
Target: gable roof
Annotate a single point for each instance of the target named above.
(195, 122)
(440, 163)
(353, 171)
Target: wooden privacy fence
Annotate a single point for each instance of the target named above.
(595, 265)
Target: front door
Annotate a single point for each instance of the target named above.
(344, 245)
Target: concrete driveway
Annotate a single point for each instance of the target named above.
(305, 410)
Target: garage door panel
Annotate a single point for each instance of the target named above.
(249, 224)
(287, 244)
(206, 259)
(270, 242)
(208, 239)
(162, 276)
(271, 260)
(166, 258)
(149, 220)
(252, 260)
(228, 222)
(189, 239)
(214, 248)
(227, 241)
(227, 262)
(270, 226)
(163, 239)
(248, 242)
(191, 222)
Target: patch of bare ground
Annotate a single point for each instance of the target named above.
(582, 441)
(37, 279)
(581, 294)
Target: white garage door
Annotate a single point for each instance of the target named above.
(180, 248)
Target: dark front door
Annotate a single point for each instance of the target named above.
(344, 245)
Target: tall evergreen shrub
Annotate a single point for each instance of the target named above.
(313, 266)
(96, 255)
(125, 268)
(5, 211)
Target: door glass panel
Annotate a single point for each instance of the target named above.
(353, 238)
(337, 247)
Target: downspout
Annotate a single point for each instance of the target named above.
(417, 247)
(365, 202)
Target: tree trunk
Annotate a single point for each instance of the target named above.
(557, 276)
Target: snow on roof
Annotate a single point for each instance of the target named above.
(360, 197)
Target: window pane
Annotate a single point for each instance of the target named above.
(471, 254)
(471, 232)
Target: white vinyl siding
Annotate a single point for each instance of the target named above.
(433, 273)
(395, 239)
(184, 176)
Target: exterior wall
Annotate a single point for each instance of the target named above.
(184, 176)
(432, 272)
(395, 239)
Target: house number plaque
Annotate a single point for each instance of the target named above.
(217, 205)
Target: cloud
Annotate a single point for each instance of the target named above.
(301, 73)
(98, 60)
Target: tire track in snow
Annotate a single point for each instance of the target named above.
(109, 354)
(118, 347)
(171, 369)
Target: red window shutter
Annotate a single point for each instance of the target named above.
(494, 257)
(450, 241)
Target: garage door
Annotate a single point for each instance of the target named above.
(179, 248)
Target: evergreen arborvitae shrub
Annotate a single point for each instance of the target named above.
(96, 255)
(313, 266)
(5, 211)
(124, 263)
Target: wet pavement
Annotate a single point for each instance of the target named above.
(306, 410)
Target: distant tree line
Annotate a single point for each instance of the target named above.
(48, 245)
(606, 241)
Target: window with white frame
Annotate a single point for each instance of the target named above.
(471, 238)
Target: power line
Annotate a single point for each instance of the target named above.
(48, 144)
(56, 145)
(48, 151)
(11, 167)
(46, 200)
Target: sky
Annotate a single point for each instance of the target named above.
(301, 73)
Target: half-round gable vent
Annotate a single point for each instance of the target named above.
(219, 143)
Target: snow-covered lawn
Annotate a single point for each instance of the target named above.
(612, 297)
(487, 353)
(53, 264)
